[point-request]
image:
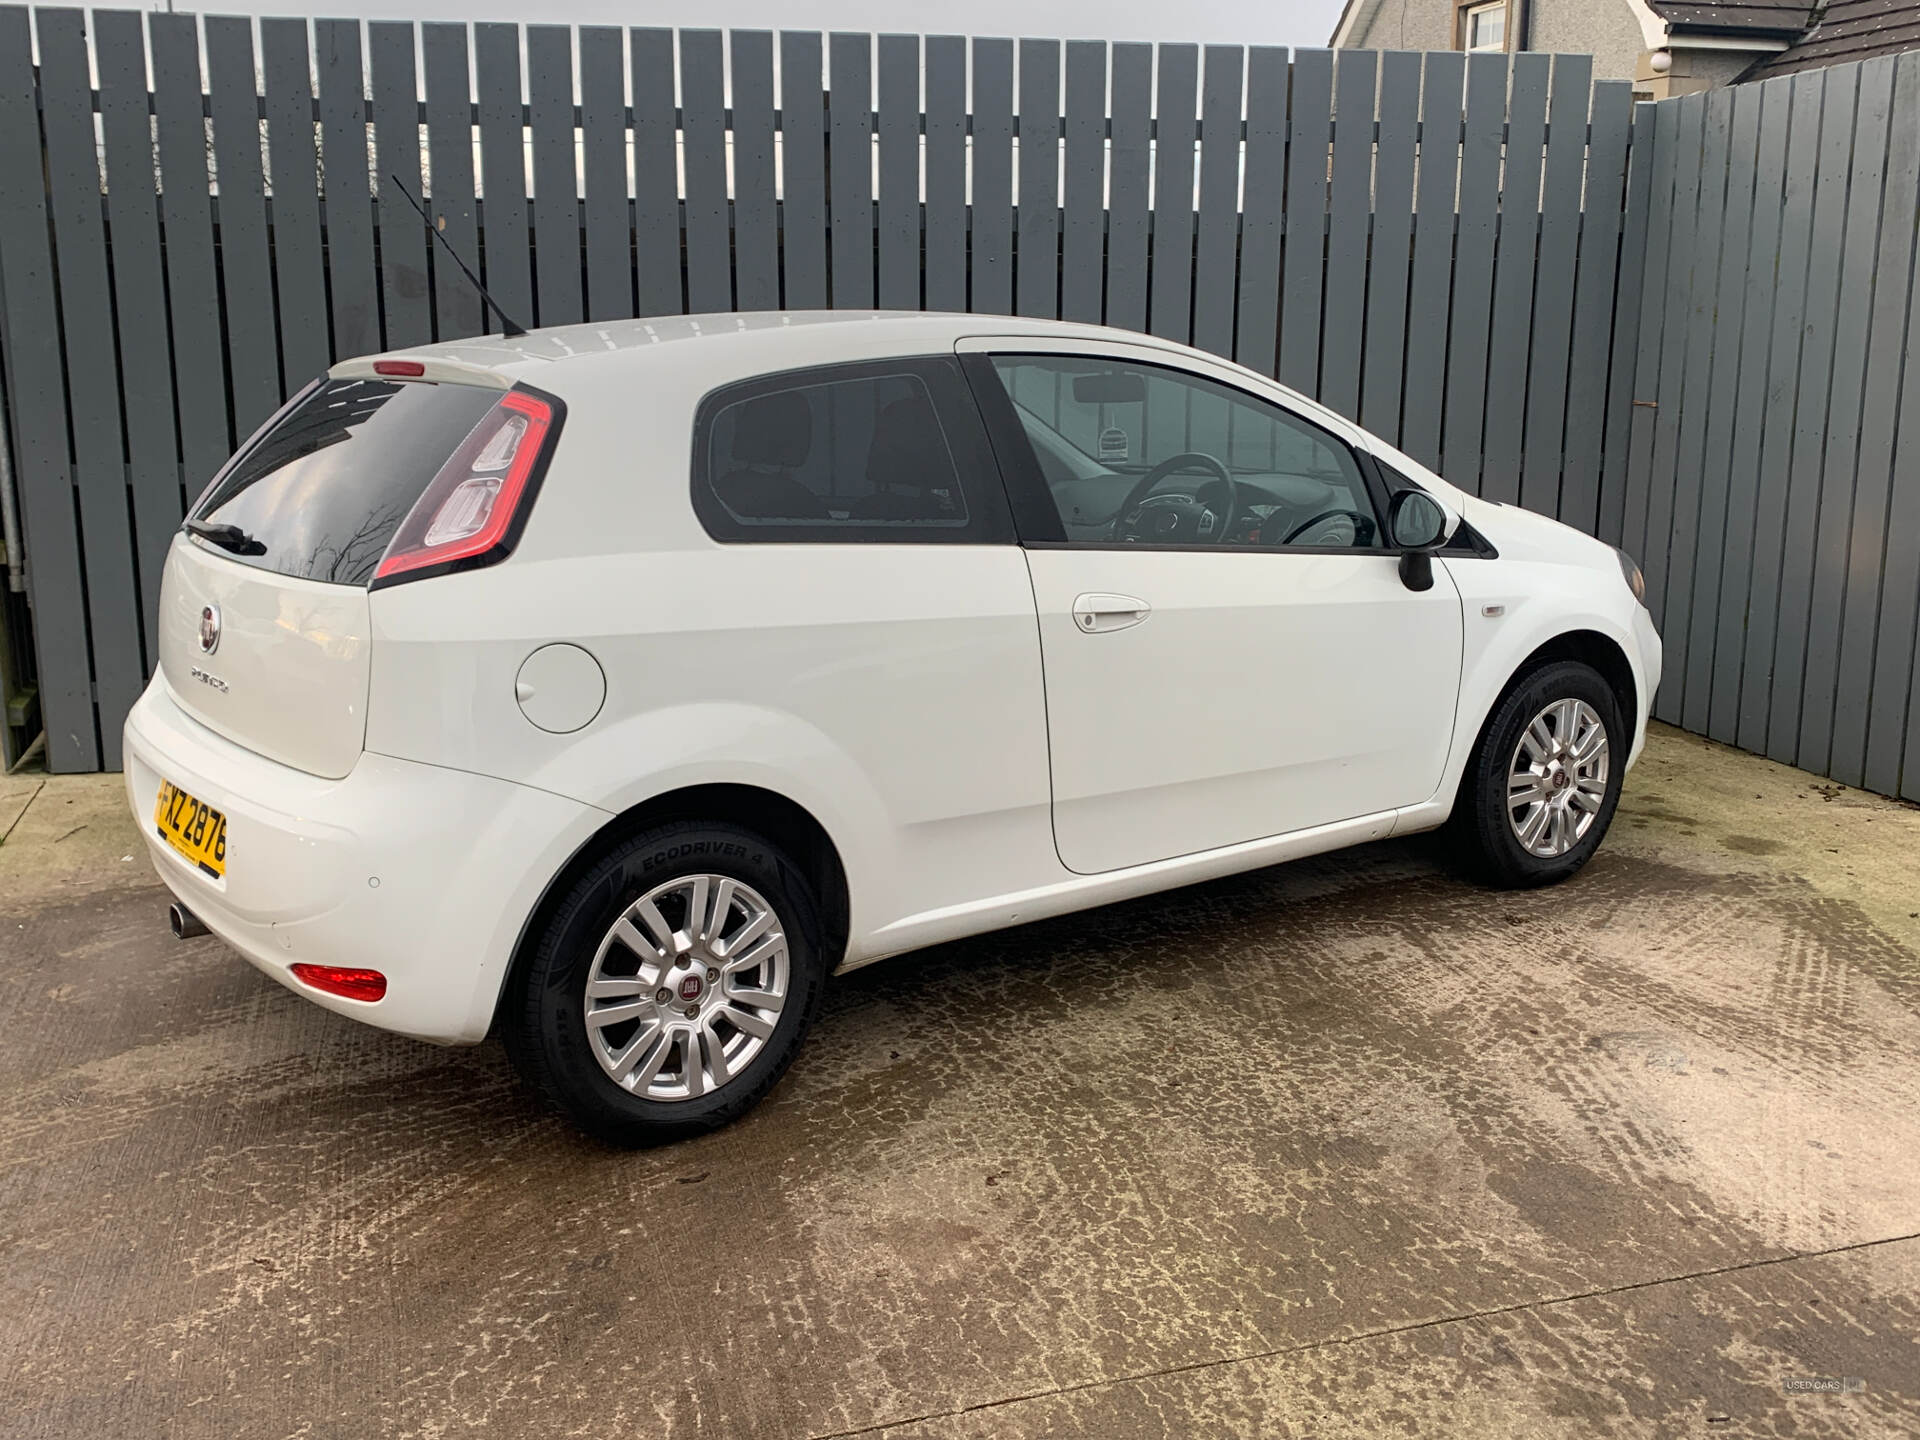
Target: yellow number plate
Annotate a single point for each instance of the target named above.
(193, 827)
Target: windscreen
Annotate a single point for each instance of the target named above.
(322, 493)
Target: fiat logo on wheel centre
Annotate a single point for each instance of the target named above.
(209, 629)
(690, 988)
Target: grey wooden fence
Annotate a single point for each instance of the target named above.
(1774, 479)
(1446, 248)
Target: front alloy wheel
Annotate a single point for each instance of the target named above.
(1557, 781)
(1543, 781)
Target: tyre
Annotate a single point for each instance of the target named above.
(671, 987)
(1544, 779)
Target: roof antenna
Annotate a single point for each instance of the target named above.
(507, 326)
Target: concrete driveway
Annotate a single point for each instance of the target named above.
(1343, 1148)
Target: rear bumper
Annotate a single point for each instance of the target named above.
(423, 873)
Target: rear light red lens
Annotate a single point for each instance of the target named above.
(469, 507)
(409, 368)
(337, 980)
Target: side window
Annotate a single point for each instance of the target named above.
(1147, 454)
(848, 453)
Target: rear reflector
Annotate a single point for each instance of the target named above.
(468, 512)
(353, 984)
(399, 367)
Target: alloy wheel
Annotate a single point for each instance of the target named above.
(1557, 778)
(686, 987)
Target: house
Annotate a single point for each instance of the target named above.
(1666, 47)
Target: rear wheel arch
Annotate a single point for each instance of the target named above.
(789, 825)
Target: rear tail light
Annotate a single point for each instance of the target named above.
(338, 980)
(473, 509)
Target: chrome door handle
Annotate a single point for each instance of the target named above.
(1095, 613)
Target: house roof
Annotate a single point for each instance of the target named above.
(1782, 18)
(1847, 30)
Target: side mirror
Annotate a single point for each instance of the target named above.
(1416, 524)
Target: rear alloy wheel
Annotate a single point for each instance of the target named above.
(1544, 779)
(672, 985)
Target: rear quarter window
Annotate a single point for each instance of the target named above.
(322, 493)
(890, 452)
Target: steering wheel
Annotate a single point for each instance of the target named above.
(1176, 519)
(1362, 526)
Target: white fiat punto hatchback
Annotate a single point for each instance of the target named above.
(614, 685)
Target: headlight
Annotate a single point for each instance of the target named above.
(1636, 582)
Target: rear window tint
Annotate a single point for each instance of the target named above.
(866, 451)
(322, 493)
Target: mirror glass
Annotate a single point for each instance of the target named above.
(1418, 521)
(1115, 387)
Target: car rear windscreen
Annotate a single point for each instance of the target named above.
(322, 493)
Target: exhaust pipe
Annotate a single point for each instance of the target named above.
(183, 922)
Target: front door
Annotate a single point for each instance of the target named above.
(1229, 652)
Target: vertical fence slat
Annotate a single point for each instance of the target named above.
(1676, 496)
(1859, 297)
(186, 212)
(803, 158)
(1461, 443)
(193, 290)
(1176, 99)
(992, 254)
(458, 311)
(603, 165)
(1392, 251)
(1263, 207)
(86, 322)
(404, 286)
(656, 176)
(1637, 239)
(347, 198)
(246, 268)
(850, 170)
(1597, 271)
(1513, 280)
(556, 193)
(1083, 226)
(1877, 644)
(299, 273)
(508, 275)
(1551, 341)
(704, 141)
(1127, 187)
(756, 228)
(1663, 332)
(1308, 134)
(946, 173)
(39, 414)
(1832, 172)
(1429, 310)
(139, 285)
(1757, 337)
(1771, 536)
(1218, 243)
(1037, 253)
(1713, 478)
(1217, 239)
(899, 172)
(1343, 323)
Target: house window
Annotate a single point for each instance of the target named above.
(1486, 27)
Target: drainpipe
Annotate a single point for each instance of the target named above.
(10, 516)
